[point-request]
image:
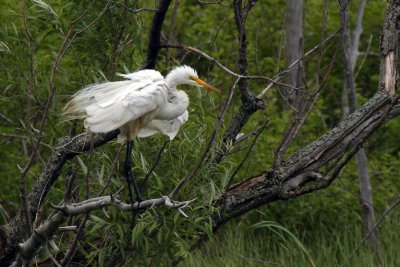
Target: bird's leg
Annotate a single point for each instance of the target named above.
(129, 174)
(128, 169)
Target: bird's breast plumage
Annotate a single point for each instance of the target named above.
(176, 104)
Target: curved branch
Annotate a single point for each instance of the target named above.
(226, 69)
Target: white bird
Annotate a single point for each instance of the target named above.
(143, 105)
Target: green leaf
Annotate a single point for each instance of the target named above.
(97, 219)
(4, 48)
(82, 164)
(46, 7)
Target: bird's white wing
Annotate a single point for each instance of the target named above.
(167, 127)
(131, 101)
(105, 91)
(152, 75)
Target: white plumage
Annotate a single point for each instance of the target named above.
(143, 105)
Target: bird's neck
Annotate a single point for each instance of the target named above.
(173, 79)
(177, 104)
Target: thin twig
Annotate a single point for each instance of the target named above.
(224, 68)
(136, 11)
(74, 245)
(279, 76)
(7, 119)
(365, 55)
(205, 3)
(259, 131)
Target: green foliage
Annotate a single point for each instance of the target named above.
(288, 244)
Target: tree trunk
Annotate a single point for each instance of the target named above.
(350, 49)
(294, 51)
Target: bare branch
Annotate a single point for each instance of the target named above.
(73, 246)
(106, 201)
(136, 11)
(224, 68)
(205, 3)
(239, 166)
(394, 112)
(389, 43)
(39, 237)
(155, 34)
(279, 76)
(72, 228)
(357, 31)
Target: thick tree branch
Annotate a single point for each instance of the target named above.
(293, 176)
(240, 21)
(40, 236)
(155, 34)
(395, 112)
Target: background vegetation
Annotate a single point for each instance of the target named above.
(319, 229)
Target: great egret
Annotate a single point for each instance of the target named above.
(143, 105)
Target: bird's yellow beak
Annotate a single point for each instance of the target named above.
(205, 85)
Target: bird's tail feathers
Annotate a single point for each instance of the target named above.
(75, 108)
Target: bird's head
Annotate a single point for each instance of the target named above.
(187, 75)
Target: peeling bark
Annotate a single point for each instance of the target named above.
(301, 174)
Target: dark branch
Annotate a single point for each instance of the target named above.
(155, 34)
